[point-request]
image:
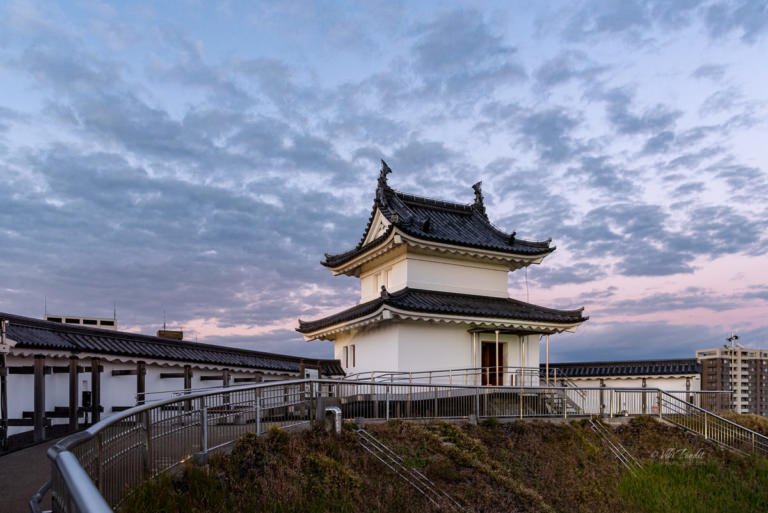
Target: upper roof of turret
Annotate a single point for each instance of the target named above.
(436, 221)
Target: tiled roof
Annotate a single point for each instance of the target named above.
(34, 334)
(448, 303)
(439, 221)
(626, 368)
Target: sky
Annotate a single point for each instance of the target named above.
(195, 160)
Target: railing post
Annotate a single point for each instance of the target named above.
(100, 463)
(602, 400)
(477, 402)
(658, 402)
(564, 403)
(204, 431)
(387, 400)
(258, 412)
(706, 427)
(148, 463)
(610, 403)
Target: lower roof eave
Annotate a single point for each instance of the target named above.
(385, 313)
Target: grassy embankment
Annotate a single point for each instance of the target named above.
(513, 467)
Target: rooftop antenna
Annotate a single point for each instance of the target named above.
(164, 319)
(45, 307)
(114, 310)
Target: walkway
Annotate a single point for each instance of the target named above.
(21, 474)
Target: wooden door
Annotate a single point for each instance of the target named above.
(493, 372)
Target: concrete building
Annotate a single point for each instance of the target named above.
(742, 370)
(58, 376)
(433, 292)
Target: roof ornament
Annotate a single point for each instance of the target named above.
(384, 292)
(511, 240)
(426, 225)
(479, 203)
(383, 174)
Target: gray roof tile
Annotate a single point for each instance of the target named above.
(31, 333)
(449, 303)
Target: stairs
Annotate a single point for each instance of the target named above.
(711, 426)
(557, 402)
(413, 477)
(617, 449)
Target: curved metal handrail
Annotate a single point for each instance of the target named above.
(93, 470)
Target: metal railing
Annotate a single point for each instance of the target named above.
(114, 455)
(95, 470)
(394, 462)
(499, 376)
(711, 426)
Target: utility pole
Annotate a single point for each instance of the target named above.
(733, 375)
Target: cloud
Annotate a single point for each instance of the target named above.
(458, 53)
(713, 72)
(550, 132)
(577, 273)
(747, 18)
(632, 20)
(632, 340)
(568, 66)
(603, 175)
(656, 119)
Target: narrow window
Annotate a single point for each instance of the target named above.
(354, 360)
(346, 356)
(72, 321)
(107, 323)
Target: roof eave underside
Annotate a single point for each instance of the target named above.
(349, 262)
(544, 318)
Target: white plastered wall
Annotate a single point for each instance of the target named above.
(376, 348)
(115, 391)
(675, 383)
(433, 347)
(434, 273)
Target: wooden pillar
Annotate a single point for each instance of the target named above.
(73, 391)
(3, 401)
(546, 359)
(141, 382)
(225, 377)
(188, 383)
(95, 391)
(498, 359)
(39, 391)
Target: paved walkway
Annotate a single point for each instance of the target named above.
(21, 474)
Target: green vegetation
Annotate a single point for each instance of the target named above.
(704, 487)
(494, 467)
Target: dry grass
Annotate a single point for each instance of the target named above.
(507, 467)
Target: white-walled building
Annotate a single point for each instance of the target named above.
(433, 292)
(59, 376)
(672, 375)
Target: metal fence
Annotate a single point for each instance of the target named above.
(95, 470)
